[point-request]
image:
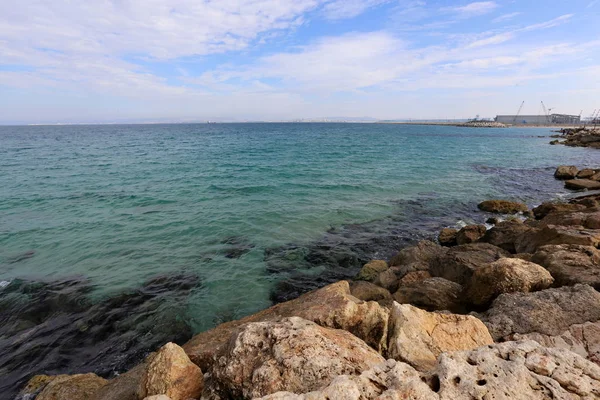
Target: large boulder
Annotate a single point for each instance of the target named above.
(505, 234)
(566, 172)
(585, 173)
(447, 237)
(368, 291)
(506, 275)
(570, 264)
(332, 306)
(583, 339)
(547, 208)
(168, 372)
(459, 263)
(582, 184)
(371, 270)
(589, 218)
(550, 311)
(289, 355)
(433, 294)
(416, 258)
(418, 337)
(514, 370)
(530, 241)
(502, 206)
(470, 234)
(387, 280)
(413, 277)
(72, 387)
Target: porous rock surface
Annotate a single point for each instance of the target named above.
(290, 355)
(418, 337)
(504, 371)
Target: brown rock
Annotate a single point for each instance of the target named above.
(506, 275)
(331, 306)
(371, 270)
(505, 234)
(416, 258)
(549, 312)
(433, 294)
(570, 264)
(126, 386)
(35, 385)
(566, 172)
(530, 241)
(418, 337)
(293, 355)
(546, 208)
(447, 237)
(413, 277)
(582, 184)
(585, 173)
(368, 291)
(387, 280)
(502, 206)
(169, 371)
(72, 387)
(470, 234)
(459, 263)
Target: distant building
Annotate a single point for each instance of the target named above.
(538, 119)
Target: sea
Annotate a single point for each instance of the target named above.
(115, 239)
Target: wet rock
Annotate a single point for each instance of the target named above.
(416, 258)
(418, 337)
(459, 263)
(549, 312)
(582, 184)
(585, 173)
(554, 234)
(546, 208)
(289, 355)
(505, 234)
(332, 306)
(570, 264)
(582, 339)
(566, 172)
(506, 275)
(169, 371)
(513, 370)
(433, 294)
(368, 291)
(371, 270)
(447, 237)
(72, 387)
(237, 246)
(502, 206)
(35, 386)
(470, 234)
(493, 220)
(413, 277)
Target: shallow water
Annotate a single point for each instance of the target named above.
(228, 216)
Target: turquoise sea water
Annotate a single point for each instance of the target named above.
(118, 205)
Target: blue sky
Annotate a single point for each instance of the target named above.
(181, 60)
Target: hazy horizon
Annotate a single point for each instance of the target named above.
(267, 60)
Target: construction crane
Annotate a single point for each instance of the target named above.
(546, 112)
(518, 112)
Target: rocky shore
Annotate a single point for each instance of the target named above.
(483, 124)
(578, 137)
(507, 310)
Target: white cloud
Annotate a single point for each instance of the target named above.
(474, 9)
(340, 9)
(548, 24)
(495, 39)
(506, 17)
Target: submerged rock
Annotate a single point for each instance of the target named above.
(570, 264)
(433, 294)
(292, 354)
(549, 312)
(418, 337)
(566, 172)
(513, 370)
(506, 275)
(502, 206)
(332, 306)
(459, 263)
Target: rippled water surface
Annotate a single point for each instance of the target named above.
(159, 231)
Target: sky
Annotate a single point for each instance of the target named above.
(103, 61)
